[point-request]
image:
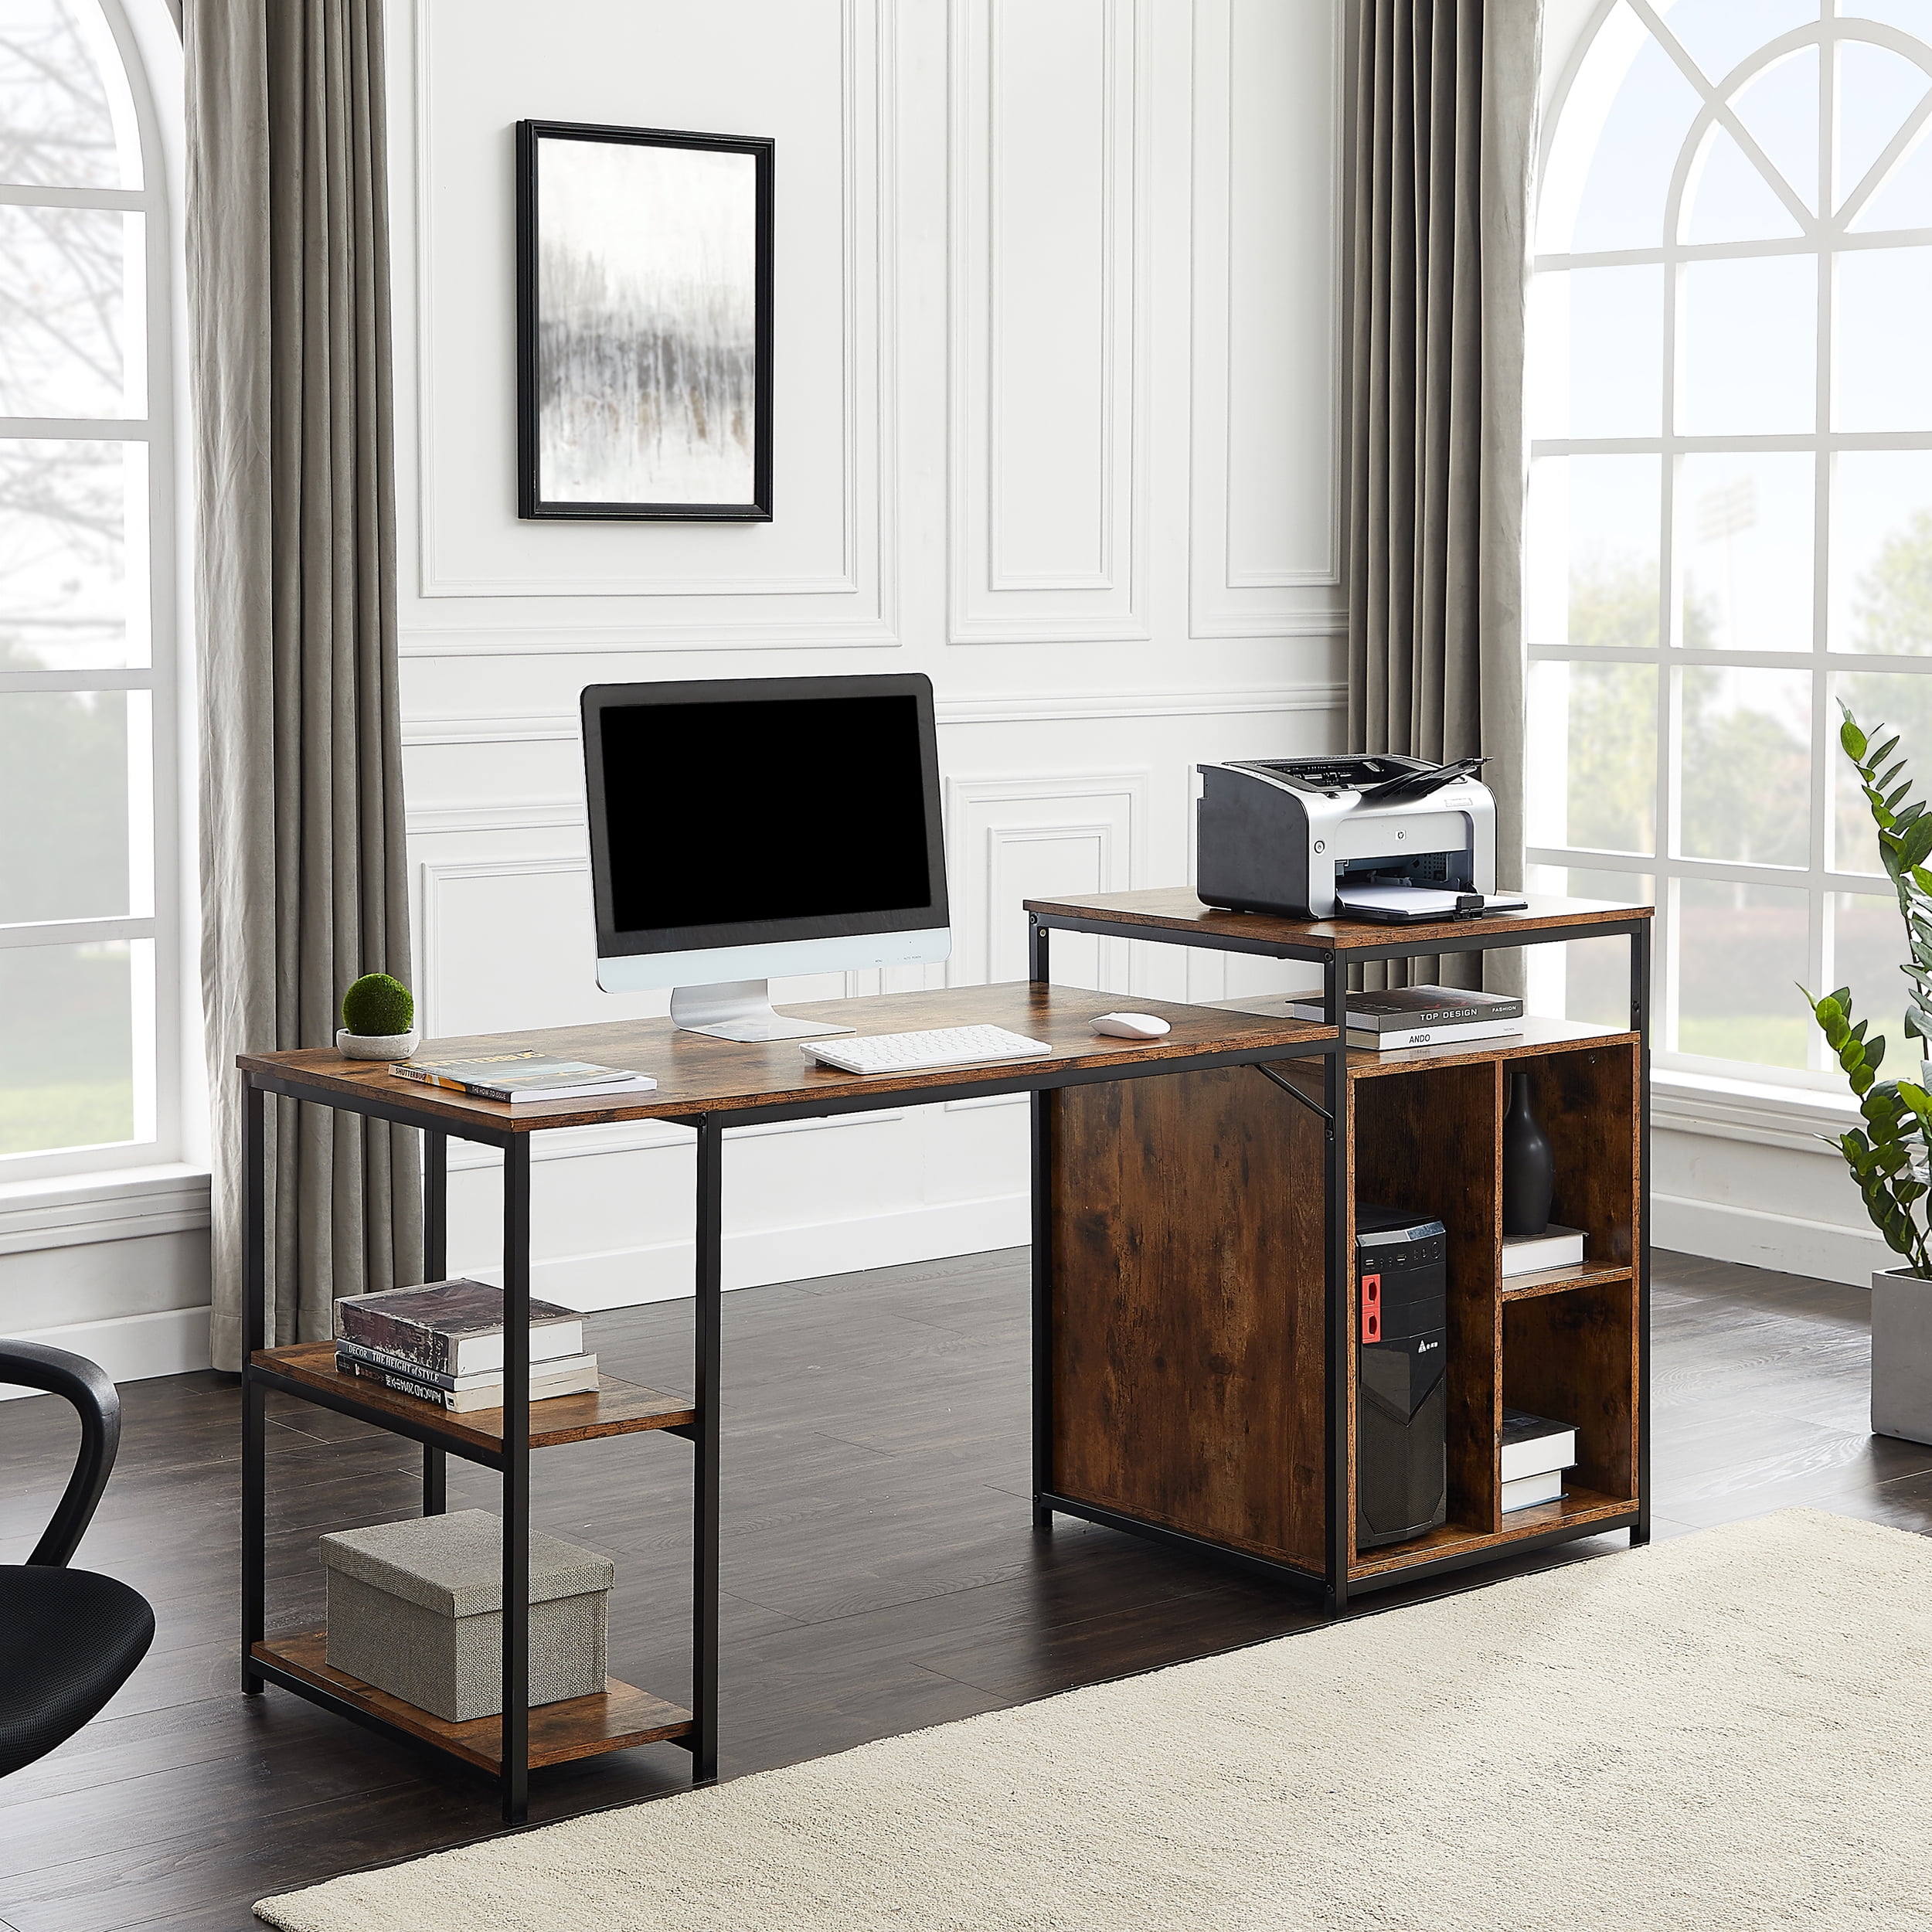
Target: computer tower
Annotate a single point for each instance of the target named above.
(1401, 1463)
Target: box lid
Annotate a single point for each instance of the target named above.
(454, 1563)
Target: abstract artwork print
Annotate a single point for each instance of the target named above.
(644, 278)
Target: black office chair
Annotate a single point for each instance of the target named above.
(68, 1639)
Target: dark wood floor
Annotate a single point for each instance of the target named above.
(880, 1571)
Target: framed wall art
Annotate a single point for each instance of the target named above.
(644, 323)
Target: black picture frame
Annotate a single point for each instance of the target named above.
(532, 501)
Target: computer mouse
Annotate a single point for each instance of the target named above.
(1130, 1025)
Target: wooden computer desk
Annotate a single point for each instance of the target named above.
(710, 1085)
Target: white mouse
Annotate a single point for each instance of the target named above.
(1130, 1025)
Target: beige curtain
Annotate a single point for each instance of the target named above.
(302, 807)
(1444, 107)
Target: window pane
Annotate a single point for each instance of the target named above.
(1884, 377)
(67, 1080)
(1751, 335)
(1728, 199)
(1745, 790)
(1718, 34)
(1877, 89)
(1593, 523)
(1881, 591)
(1867, 939)
(1586, 979)
(73, 520)
(1904, 200)
(1624, 119)
(1915, 16)
(64, 772)
(70, 278)
(1741, 952)
(1778, 106)
(1903, 706)
(65, 118)
(1591, 756)
(1746, 535)
(1613, 335)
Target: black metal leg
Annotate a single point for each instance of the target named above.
(436, 1222)
(516, 1480)
(1340, 1273)
(1040, 1108)
(254, 1508)
(704, 1616)
(1640, 1021)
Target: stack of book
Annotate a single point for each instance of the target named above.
(518, 1078)
(1420, 1016)
(443, 1343)
(1535, 1452)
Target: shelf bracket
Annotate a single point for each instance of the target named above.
(1293, 1092)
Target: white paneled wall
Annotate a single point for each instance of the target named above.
(1055, 422)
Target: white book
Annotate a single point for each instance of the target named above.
(1433, 1036)
(1557, 1246)
(1534, 1445)
(1521, 1491)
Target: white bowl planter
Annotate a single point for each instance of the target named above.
(1901, 1355)
(376, 1047)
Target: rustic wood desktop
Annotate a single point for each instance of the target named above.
(707, 1085)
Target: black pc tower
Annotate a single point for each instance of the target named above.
(1402, 1460)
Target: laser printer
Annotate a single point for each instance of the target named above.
(1366, 835)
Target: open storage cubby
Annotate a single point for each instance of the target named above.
(1428, 1144)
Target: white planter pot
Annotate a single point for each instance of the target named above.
(1901, 1355)
(376, 1047)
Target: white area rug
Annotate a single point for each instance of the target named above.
(1731, 1729)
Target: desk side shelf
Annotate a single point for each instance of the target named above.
(306, 1369)
(619, 1718)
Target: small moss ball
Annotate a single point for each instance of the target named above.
(378, 1005)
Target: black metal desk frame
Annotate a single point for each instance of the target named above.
(1339, 1365)
(512, 1462)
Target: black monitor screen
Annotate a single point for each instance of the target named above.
(726, 813)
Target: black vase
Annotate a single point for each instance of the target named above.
(1529, 1169)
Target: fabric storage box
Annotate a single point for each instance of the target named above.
(416, 1608)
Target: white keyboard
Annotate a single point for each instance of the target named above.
(914, 1053)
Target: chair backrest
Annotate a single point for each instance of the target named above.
(32, 1364)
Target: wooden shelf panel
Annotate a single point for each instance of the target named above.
(613, 1408)
(1578, 1507)
(1175, 909)
(1522, 1287)
(622, 1716)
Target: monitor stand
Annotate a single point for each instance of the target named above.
(740, 1009)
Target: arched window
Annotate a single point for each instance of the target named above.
(89, 929)
(1731, 524)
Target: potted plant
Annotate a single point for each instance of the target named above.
(1888, 1155)
(378, 1020)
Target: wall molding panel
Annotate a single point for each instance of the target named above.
(1049, 372)
(1265, 525)
(692, 581)
(1012, 838)
(1020, 707)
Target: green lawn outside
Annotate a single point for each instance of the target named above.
(73, 1114)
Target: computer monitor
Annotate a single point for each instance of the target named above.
(745, 827)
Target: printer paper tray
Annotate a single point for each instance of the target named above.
(1410, 905)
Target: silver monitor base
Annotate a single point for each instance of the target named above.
(740, 1009)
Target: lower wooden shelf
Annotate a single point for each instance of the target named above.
(1578, 1507)
(577, 1727)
